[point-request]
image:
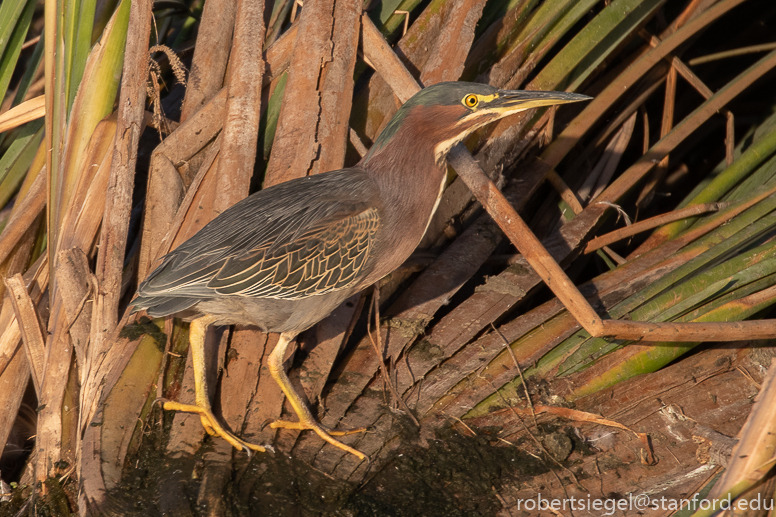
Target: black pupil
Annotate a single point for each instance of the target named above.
(471, 101)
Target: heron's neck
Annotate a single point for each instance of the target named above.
(406, 169)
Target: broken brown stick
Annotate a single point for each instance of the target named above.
(652, 222)
(29, 324)
(560, 284)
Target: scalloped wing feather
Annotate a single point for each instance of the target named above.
(301, 238)
(323, 259)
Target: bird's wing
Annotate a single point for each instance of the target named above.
(323, 258)
(298, 239)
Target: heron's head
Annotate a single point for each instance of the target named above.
(445, 113)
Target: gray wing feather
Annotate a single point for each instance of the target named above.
(297, 239)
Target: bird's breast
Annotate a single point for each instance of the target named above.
(405, 219)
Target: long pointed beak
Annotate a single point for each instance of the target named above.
(518, 100)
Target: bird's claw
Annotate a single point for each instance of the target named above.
(324, 433)
(212, 426)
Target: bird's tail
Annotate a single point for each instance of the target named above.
(159, 306)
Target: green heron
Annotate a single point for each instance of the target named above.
(285, 257)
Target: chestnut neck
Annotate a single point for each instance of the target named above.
(403, 165)
(405, 152)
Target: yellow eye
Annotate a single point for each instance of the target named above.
(470, 100)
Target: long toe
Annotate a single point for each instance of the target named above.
(304, 425)
(212, 426)
(301, 426)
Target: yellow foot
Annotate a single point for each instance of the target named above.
(323, 433)
(212, 426)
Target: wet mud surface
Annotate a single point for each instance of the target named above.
(455, 475)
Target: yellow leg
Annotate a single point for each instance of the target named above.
(306, 419)
(202, 402)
